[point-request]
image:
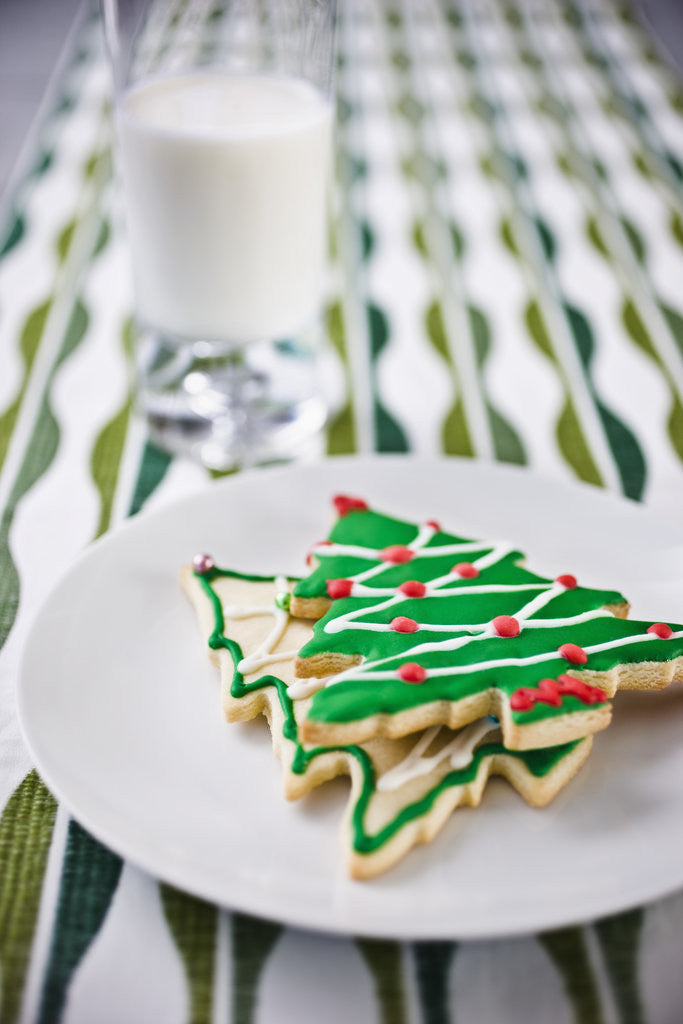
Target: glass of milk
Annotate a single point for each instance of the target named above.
(224, 127)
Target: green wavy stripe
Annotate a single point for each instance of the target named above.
(384, 962)
(507, 444)
(433, 962)
(341, 430)
(675, 324)
(29, 341)
(105, 463)
(45, 437)
(107, 452)
(676, 227)
(508, 237)
(34, 325)
(16, 226)
(38, 456)
(627, 453)
(635, 239)
(674, 425)
(42, 163)
(90, 876)
(674, 164)
(455, 432)
(640, 162)
(153, 468)
(15, 231)
(25, 833)
(546, 238)
(596, 238)
(619, 938)
(508, 168)
(572, 440)
(567, 950)
(193, 925)
(9, 579)
(389, 435)
(102, 240)
(569, 432)
(573, 445)
(436, 332)
(253, 941)
(65, 239)
(638, 332)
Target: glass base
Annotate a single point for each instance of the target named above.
(226, 406)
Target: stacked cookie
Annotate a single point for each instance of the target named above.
(420, 663)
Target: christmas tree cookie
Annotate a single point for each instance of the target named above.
(402, 791)
(418, 627)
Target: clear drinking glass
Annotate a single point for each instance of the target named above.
(223, 124)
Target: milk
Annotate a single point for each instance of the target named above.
(225, 182)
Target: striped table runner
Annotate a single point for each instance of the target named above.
(506, 284)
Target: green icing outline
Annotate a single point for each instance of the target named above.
(538, 762)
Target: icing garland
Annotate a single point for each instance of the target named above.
(413, 610)
(466, 746)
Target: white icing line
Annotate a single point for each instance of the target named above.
(424, 535)
(302, 688)
(500, 550)
(484, 665)
(339, 625)
(435, 588)
(439, 550)
(541, 601)
(263, 655)
(459, 751)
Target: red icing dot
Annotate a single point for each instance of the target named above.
(506, 626)
(568, 581)
(402, 624)
(434, 525)
(661, 630)
(573, 653)
(410, 672)
(523, 699)
(397, 554)
(339, 588)
(345, 504)
(466, 570)
(413, 588)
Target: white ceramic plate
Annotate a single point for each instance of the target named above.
(120, 709)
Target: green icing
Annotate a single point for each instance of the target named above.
(460, 605)
(538, 762)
